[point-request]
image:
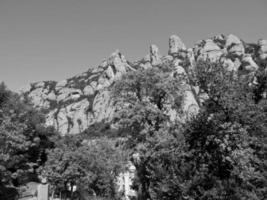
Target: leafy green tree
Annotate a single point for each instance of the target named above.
(219, 154)
(4, 94)
(145, 98)
(91, 165)
(223, 151)
(23, 139)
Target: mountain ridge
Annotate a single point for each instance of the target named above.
(76, 103)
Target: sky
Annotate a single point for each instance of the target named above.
(57, 39)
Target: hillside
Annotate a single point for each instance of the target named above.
(72, 105)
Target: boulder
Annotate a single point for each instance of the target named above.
(119, 62)
(61, 84)
(207, 50)
(39, 97)
(219, 40)
(154, 55)
(110, 73)
(191, 57)
(190, 106)
(65, 94)
(249, 64)
(52, 96)
(175, 44)
(232, 39)
(39, 84)
(228, 64)
(234, 45)
(262, 49)
(210, 46)
(88, 90)
(103, 82)
(210, 50)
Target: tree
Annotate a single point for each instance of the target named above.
(4, 93)
(23, 139)
(223, 153)
(218, 154)
(91, 165)
(145, 98)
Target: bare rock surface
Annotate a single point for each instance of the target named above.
(234, 45)
(249, 64)
(175, 44)
(263, 49)
(155, 57)
(210, 50)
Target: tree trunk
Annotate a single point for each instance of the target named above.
(53, 193)
(71, 194)
(143, 190)
(143, 193)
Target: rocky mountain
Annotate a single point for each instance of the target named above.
(74, 104)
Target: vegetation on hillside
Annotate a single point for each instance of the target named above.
(90, 165)
(219, 153)
(23, 138)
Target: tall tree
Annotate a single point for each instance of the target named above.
(146, 98)
(223, 153)
(91, 165)
(23, 138)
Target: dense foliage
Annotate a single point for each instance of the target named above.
(23, 139)
(29, 150)
(219, 154)
(90, 165)
(147, 98)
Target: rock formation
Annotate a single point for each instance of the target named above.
(262, 49)
(82, 100)
(209, 50)
(76, 103)
(249, 64)
(154, 55)
(234, 45)
(175, 44)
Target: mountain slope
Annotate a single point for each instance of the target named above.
(74, 104)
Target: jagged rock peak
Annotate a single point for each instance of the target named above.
(77, 102)
(208, 49)
(155, 57)
(262, 42)
(232, 39)
(175, 44)
(262, 49)
(234, 45)
(210, 45)
(220, 37)
(118, 61)
(115, 57)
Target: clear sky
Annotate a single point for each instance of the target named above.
(56, 39)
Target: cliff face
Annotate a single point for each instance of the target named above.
(75, 103)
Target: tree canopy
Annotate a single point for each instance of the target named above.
(23, 138)
(92, 165)
(146, 98)
(218, 154)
